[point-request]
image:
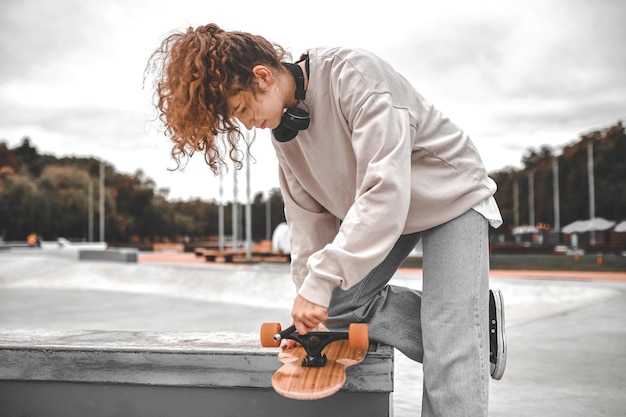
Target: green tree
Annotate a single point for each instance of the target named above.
(65, 191)
(609, 146)
(22, 204)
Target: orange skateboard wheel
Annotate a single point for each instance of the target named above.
(268, 330)
(358, 336)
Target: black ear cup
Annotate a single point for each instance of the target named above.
(293, 120)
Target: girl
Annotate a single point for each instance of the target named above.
(368, 167)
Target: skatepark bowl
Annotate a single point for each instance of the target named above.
(89, 337)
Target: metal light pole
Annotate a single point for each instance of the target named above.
(102, 202)
(516, 203)
(592, 194)
(248, 204)
(220, 213)
(268, 216)
(90, 210)
(235, 210)
(531, 199)
(556, 195)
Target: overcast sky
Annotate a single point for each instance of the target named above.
(513, 74)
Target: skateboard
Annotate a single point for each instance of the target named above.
(317, 368)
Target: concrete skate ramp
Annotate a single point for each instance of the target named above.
(50, 288)
(51, 298)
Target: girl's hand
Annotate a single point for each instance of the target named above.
(306, 315)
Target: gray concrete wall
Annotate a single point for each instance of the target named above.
(58, 373)
(114, 255)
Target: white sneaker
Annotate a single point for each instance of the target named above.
(497, 355)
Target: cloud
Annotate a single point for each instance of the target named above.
(38, 35)
(513, 74)
(79, 121)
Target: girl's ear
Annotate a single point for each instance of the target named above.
(263, 76)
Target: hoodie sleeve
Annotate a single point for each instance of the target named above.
(311, 227)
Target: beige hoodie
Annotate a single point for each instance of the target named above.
(376, 162)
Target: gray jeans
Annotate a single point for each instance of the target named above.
(444, 326)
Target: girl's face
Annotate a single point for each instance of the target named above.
(263, 108)
(255, 110)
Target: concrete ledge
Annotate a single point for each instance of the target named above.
(207, 371)
(11, 245)
(114, 255)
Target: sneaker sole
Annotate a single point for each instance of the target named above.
(500, 365)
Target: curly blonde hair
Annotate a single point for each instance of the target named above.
(195, 74)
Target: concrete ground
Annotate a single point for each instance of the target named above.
(565, 359)
(566, 332)
(568, 364)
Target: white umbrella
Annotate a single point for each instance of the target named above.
(621, 227)
(280, 239)
(600, 224)
(591, 225)
(576, 227)
(523, 230)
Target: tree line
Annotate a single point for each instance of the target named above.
(609, 173)
(43, 194)
(48, 195)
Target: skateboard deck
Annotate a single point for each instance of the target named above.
(297, 380)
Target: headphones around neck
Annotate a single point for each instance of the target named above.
(294, 119)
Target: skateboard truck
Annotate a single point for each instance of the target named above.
(313, 343)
